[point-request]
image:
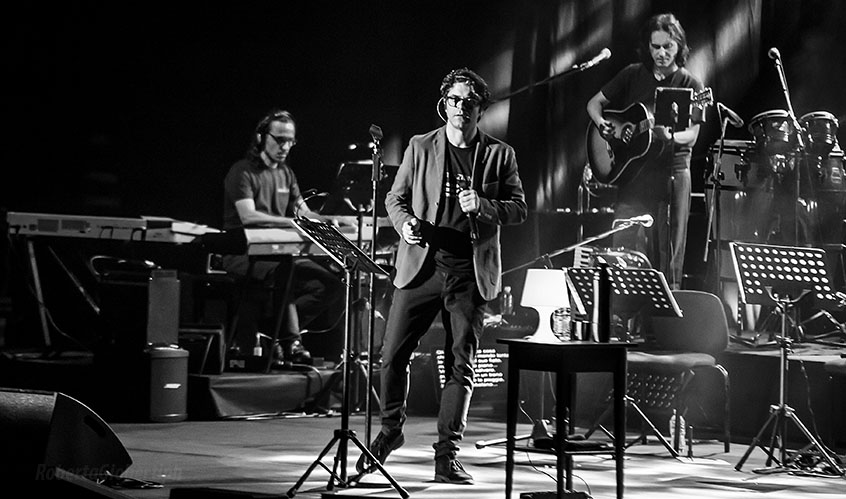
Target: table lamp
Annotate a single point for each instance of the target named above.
(545, 290)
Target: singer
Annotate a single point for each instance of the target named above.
(662, 186)
(439, 268)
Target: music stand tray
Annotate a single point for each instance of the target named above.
(352, 259)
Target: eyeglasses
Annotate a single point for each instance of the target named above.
(281, 141)
(454, 100)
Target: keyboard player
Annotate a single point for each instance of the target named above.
(261, 189)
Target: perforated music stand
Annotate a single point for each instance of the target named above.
(352, 259)
(782, 275)
(630, 290)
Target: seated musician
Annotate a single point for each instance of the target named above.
(261, 190)
(662, 177)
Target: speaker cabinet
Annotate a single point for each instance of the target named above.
(41, 431)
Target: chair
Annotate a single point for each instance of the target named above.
(672, 370)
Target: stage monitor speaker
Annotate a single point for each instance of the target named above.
(42, 431)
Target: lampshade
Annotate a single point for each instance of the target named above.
(545, 290)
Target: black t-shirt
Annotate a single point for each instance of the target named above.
(636, 83)
(452, 233)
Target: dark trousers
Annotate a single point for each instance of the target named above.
(667, 198)
(413, 310)
(314, 290)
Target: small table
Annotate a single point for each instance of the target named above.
(566, 359)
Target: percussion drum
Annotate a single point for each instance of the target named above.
(739, 166)
(830, 172)
(773, 132)
(822, 132)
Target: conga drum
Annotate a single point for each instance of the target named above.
(822, 132)
(773, 132)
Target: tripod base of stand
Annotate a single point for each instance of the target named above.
(336, 480)
(779, 415)
(630, 402)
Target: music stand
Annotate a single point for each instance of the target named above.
(598, 290)
(673, 107)
(352, 259)
(630, 290)
(782, 275)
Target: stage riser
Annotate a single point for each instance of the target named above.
(755, 387)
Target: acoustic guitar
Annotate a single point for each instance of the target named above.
(619, 159)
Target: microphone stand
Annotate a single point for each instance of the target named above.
(714, 209)
(576, 68)
(800, 139)
(376, 176)
(547, 257)
(674, 113)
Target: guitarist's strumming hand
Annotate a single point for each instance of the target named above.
(606, 129)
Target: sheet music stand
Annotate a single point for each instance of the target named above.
(625, 290)
(352, 259)
(782, 275)
(673, 107)
(630, 290)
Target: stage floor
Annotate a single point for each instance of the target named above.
(268, 456)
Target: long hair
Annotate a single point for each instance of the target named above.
(668, 23)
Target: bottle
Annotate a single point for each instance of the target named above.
(682, 432)
(506, 302)
(257, 352)
(561, 324)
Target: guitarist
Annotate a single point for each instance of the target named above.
(661, 186)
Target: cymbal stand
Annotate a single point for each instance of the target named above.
(782, 413)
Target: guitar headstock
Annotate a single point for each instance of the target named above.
(703, 98)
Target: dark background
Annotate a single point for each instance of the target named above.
(139, 109)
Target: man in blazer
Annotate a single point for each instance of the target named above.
(455, 187)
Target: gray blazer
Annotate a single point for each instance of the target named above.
(416, 192)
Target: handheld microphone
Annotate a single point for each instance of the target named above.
(603, 54)
(474, 229)
(733, 117)
(774, 54)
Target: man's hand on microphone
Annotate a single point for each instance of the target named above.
(468, 199)
(411, 232)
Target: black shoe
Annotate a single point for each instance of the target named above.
(449, 470)
(381, 448)
(291, 353)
